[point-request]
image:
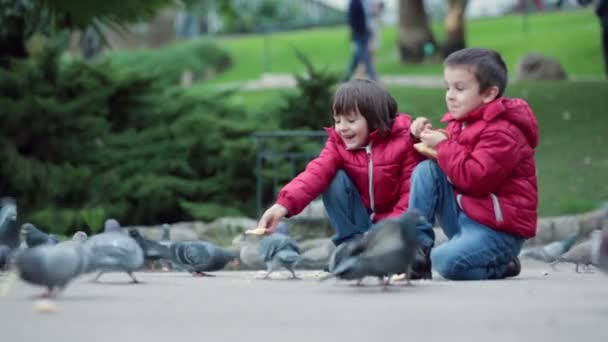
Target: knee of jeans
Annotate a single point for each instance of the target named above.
(447, 263)
(425, 168)
(338, 184)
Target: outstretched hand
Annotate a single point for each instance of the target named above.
(271, 218)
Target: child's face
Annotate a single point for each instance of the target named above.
(462, 91)
(352, 128)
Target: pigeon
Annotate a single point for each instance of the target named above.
(9, 231)
(279, 250)
(153, 250)
(165, 239)
(111, 225)
(341, 252)
(78, 238)
(551, 251)
(35, 237)
(386, 249)
(579, 255)
(198, 256)
(599, 254)
(52, 266)
(5, 253)
(114, 251)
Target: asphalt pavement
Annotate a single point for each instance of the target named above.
(539, 305)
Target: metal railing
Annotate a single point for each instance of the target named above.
(272, 148)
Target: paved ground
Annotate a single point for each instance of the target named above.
(281, 81)
(234, 306)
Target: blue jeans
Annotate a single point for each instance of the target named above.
(473, 251)
(361, 55)
(347, 214)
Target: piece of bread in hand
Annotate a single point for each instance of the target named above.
(426, 151)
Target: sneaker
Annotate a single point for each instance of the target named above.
(513, 268)
(422, 264)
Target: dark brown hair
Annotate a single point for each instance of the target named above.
(487, 65)
(374, 103)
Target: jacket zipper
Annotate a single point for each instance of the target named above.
(370, 177)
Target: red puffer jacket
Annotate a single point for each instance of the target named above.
(489, 158)
(392, 159)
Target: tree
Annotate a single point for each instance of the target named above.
(416, 41)
(22, 19)
(454, 27)
(414, 31)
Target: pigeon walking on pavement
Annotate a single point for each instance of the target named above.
(580, 254)
(280, 250)
(114, 251)
(165, 238)
(111, 225)
(388, 248)
(10, 239)
(599, 254)
(153, 250)
(52, 266)
(551, 251)
(36, 237)
(199, 257)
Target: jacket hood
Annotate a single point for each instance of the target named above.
(515, 111)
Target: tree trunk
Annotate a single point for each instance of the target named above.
(454, 26)
(415, 35)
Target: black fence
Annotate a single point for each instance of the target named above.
(281, 155)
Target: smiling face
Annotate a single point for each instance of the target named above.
(352, 128)
(462, 91)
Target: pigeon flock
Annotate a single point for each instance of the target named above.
(386, 250)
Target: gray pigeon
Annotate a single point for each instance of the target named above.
(599, 254)
(166, 234)
(52, 266)
(579, 255)
(114, 251)
(78, 238)
(9, 232)
(35, 237)
(198, 257)
(153, 250)
(5, 253)
(279, 250)
(10, 238)
(386, 249)
(111, 225)
(551, 251)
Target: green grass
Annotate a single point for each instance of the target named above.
(573, 37)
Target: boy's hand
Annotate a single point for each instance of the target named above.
(271, 218)
(432, 137)
(419, 125)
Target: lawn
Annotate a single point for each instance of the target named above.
(573, 37)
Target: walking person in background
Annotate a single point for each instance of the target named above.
(375, 20)
(359, 23)
(602, 13)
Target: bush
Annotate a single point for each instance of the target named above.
(80, 142)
